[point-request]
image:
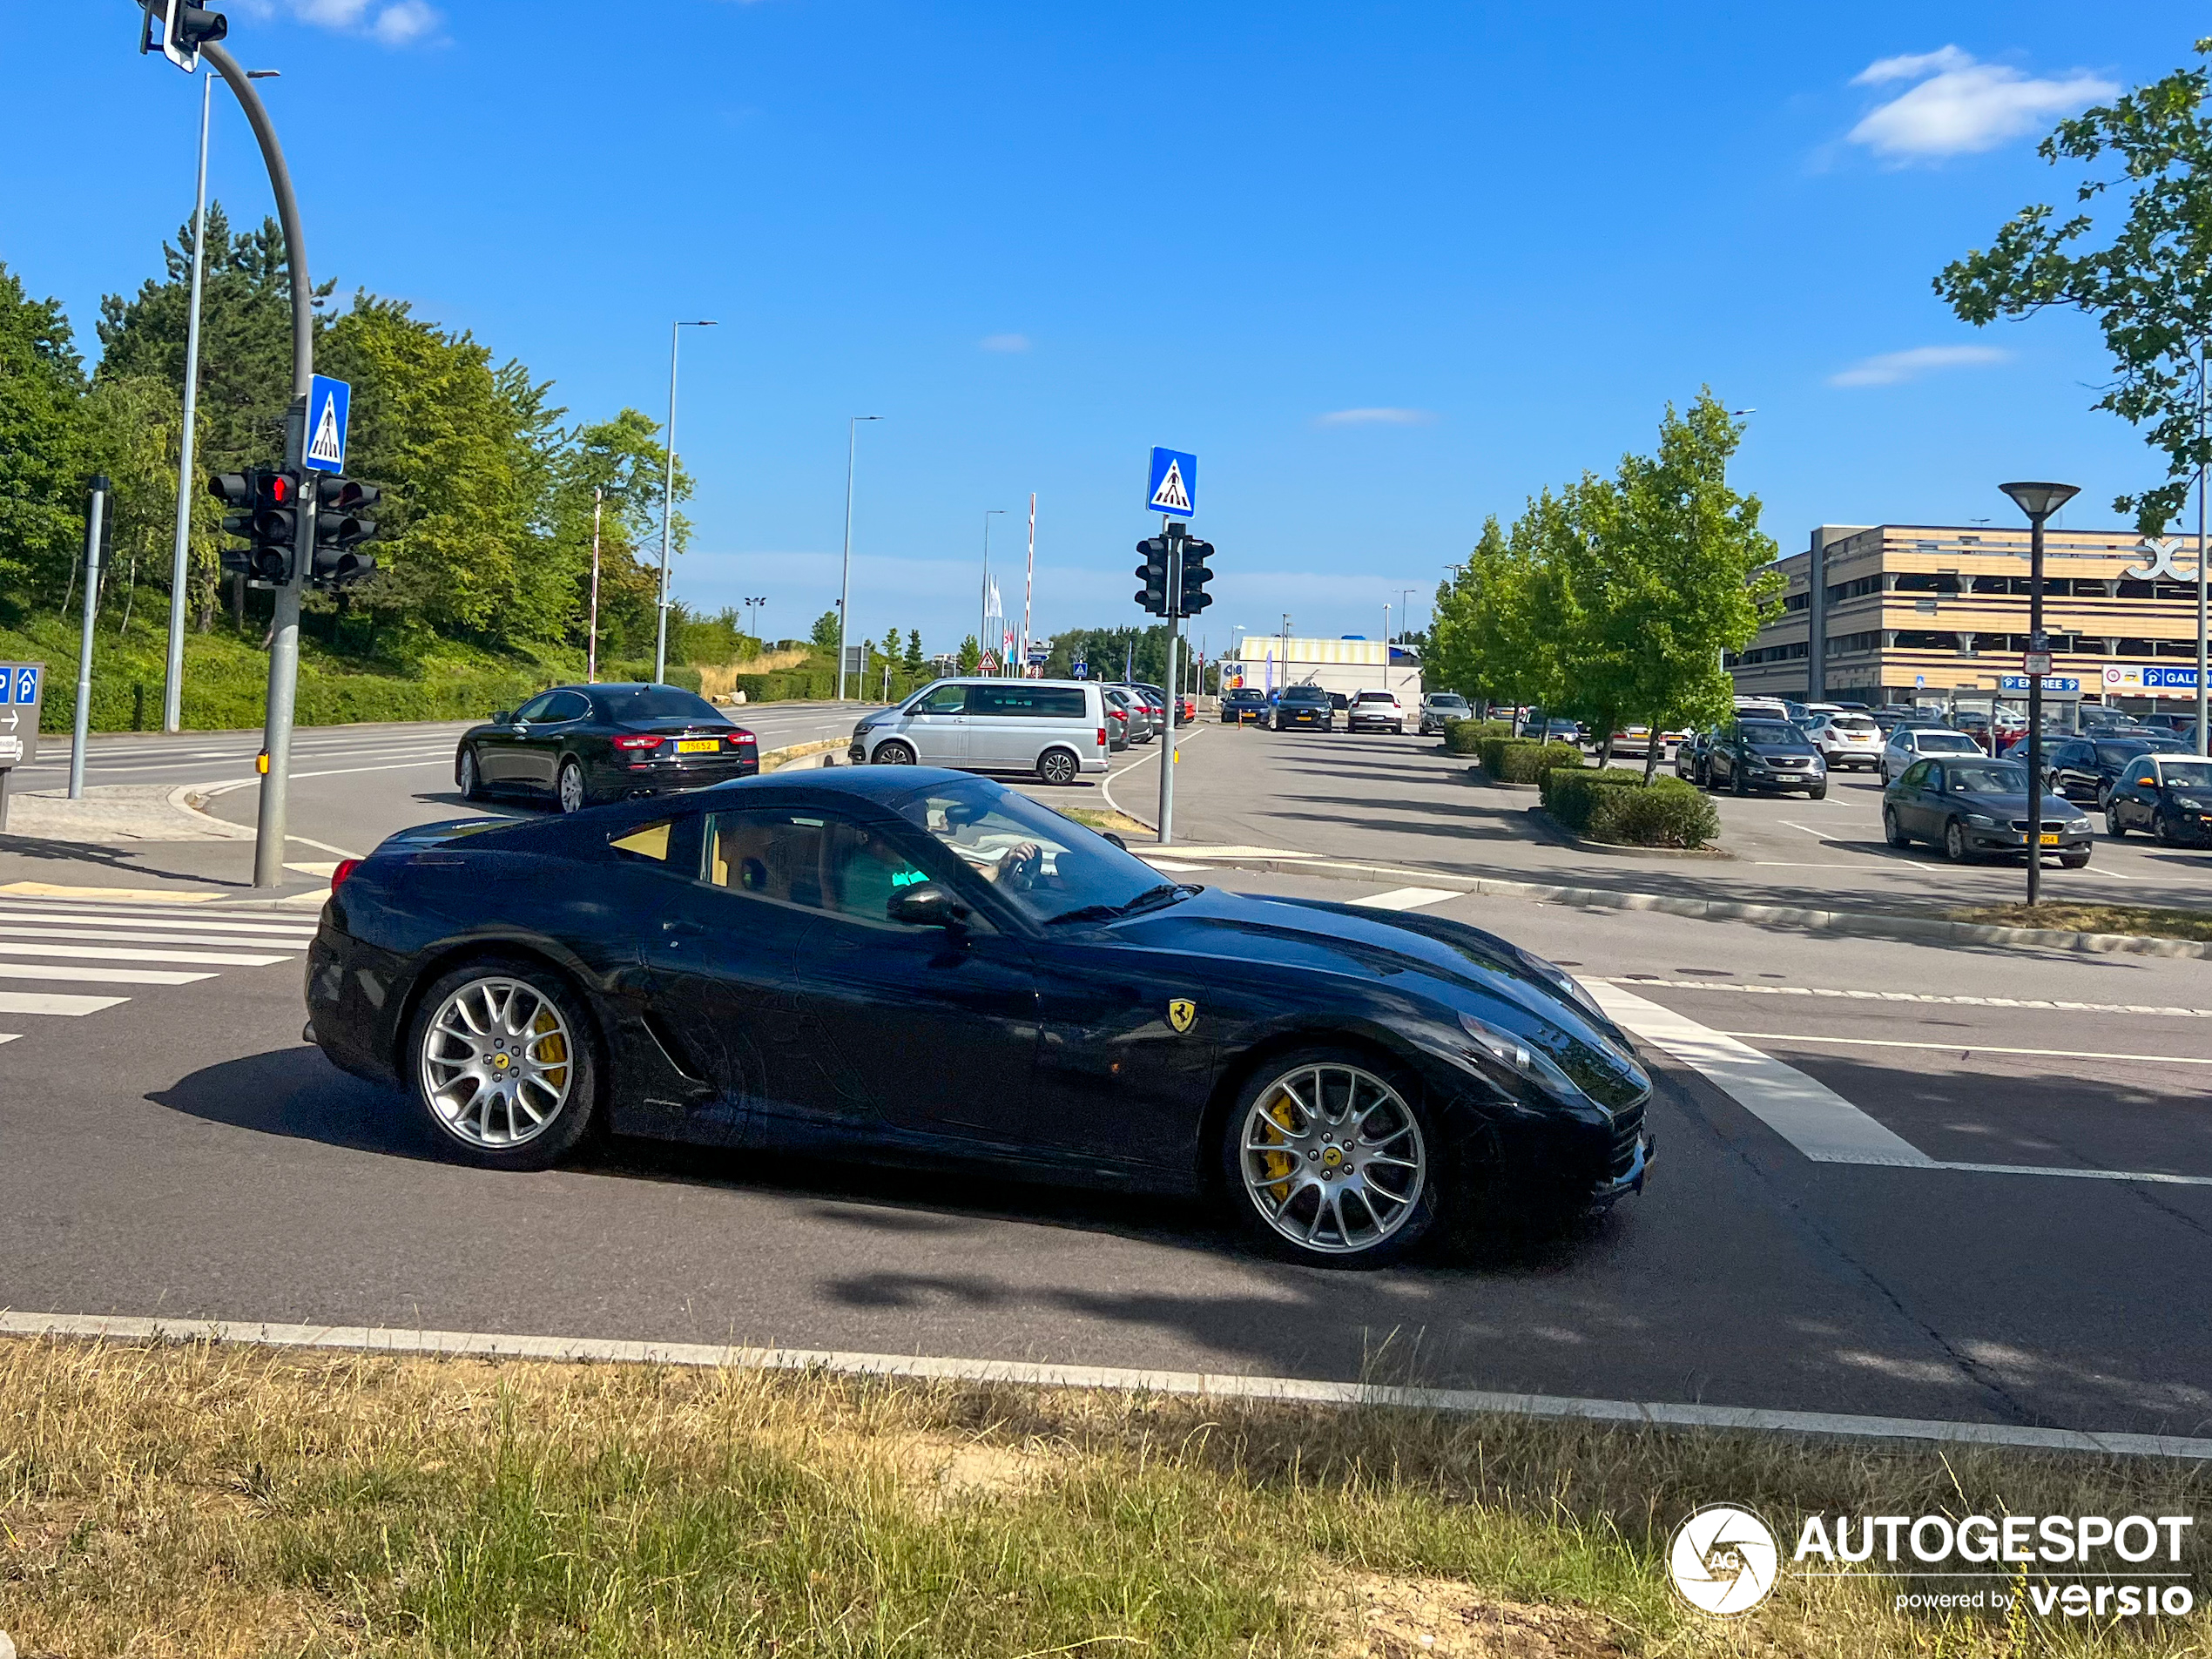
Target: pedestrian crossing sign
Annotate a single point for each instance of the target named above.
(328, 403)
(1171, 483)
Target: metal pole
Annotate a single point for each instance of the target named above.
(591, 654)
(284, 635)
(95, 516)
(172, 692)
(667, 506)
(1030, 583)
(2034, 712)
(844, 586)
(2203, 573)
(1174, 534)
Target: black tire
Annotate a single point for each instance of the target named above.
(468, 776)
(1059, 767)
(1820, 793)
(892, 752)
(2115, 828)
(2073, 860)
(1893, 832)
(571, 790)
(1736, 785)
(1422, 1207)
(565, 1126)
(1954, 843)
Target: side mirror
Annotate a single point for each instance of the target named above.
(1115, 839)
(927, 905)
(502, 716)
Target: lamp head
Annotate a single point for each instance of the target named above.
(2038, 502)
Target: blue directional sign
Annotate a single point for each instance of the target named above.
(328, 403)
(1171, 484)
(2065, 683)
(25, 691)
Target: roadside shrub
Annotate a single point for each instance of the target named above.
(1570, 792)
(1615, 804)
(1464, 737)
(1510, 761)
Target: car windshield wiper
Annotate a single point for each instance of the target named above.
(1144, 900)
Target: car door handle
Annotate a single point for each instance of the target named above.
(686, 930)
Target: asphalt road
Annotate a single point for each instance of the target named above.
(1896, 1179)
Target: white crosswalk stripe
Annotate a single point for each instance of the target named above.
(48, 940)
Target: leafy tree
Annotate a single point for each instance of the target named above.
(42, 460)
(824, 631)
(971, 655)
(916, 662)
(2150, 287)
(132, 429)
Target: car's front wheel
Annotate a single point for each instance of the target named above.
(2113, 826)
(1328, 1158)
(501, 1064)
(1954, 842)
(893, 754)
(574, 794)
(1058, 767)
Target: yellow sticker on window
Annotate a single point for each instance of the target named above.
(651, 842)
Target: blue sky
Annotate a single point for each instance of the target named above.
(1386, 268)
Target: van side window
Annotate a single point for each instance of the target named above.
(1036, 703)
(942, 699)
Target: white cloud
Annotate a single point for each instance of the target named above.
(1960, 105)
(1892, 368)
(408, 20)
(1004, 342)
(1375, 417)
(395, 22)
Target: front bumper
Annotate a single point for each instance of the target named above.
(2195, 828)
(2007, 840)
(1783, 782)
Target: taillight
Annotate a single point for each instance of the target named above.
(640, 742)
(1102, 737)
(345, 867)
(739, 739)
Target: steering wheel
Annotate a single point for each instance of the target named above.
(1022, 868)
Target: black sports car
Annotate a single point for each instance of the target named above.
(580, 745)
(920, 966)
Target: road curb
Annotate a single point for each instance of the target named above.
(777, 759)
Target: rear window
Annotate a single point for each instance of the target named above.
(656, 703)
(1376, 697)
(1029, 702)
(1850, 722)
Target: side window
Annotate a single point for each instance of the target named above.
(811, 860)
(942, 699)
(536, 708)
(1919, 774)
(567, 705)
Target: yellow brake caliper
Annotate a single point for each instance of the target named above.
(552, 1050)
(1279, 1164)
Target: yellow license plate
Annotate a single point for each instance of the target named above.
(2050, 840)
(697, 746)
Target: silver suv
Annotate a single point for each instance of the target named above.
(1375, 711)
(1054, 730)
(1440, 706)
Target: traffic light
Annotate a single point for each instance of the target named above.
(1153, 573)
(180, 30)
(265, 504)
(339, 528)
(1194, 577)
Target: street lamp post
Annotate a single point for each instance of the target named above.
(172, 693)
(668, 501)
(983, 622)
(2038, 502)
(591, 650)
(845, 592)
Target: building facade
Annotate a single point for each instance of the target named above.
(1887, 613)
(1272, 661)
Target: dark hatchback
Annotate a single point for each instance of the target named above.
(925, 968)
(1304, 708)
(1974, 807)
(581, 744)
(2167, 795)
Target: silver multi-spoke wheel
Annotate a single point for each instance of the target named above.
(1332, 1159)
(498, 1062)
(573, 797)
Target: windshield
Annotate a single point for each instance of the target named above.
(1947, 743)
(1447, 702)
(2186, 775)
(1992, 780)
(1771, 731)
(1048, 867)
(657, 702)
(1306, 694)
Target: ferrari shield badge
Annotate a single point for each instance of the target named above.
(1181, 1012)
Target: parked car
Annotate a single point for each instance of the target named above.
(1908, 742)
(1117, 728)
(1440, 706)
(1137, 712)
(2087, 768)
(1748, 754)
(1540, 730)
(1053, 729)
(580, 745)
(1846, 739)
(1304, 707)
(1375, 711)
(1339, 701)
(1186, 711)
(1974, 807)
(2180, 725)
(2169, 795)
(1242, 703)
(1689, 755)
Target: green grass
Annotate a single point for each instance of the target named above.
(2094, 919)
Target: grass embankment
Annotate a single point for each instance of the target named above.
(214, 1501)
(1101, 820)
(2094, 919)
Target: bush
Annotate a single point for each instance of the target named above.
(1613, 804)
(1463, 737)
(1517, 761)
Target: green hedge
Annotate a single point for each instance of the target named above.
(1465, 737)
(1509, 760)
(1613, 804)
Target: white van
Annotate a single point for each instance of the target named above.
(1054, 729)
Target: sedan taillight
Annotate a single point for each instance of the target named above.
(345, 867)
(640, 741)
(741, 741)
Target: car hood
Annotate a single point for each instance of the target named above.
(2014, 805)
(1452, 967)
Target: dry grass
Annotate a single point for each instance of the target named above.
(1102, 820)
(2094, 919)
(213, 1501)
(719, 679)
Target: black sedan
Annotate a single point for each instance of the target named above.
(1303, 708)
(1974, 807)
(1765, 754)
(2167, 795)
(581, 744)
(925, 968)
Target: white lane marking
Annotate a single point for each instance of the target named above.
(1406, 898)
(67, 1006)
(1927, 997)
(120, 937)
(112, 954)
(1974, 1048)
(201, 922)
(1016, 1373)
(1173, 869)
(1106, 784)
(1817, 835)
(1811, 1116)
(324, 846)
(97, 975)
(2152, 1176)
(8, 1036)
(325, 870)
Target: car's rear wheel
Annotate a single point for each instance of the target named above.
(1954, 842)
(467, 775)
(1329, 1158)
(501, 1064)
(893, 754)
(1058, 767)
(574, 794)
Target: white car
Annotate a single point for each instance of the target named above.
(1374, 711)
(1846, 739)
(1908, 742)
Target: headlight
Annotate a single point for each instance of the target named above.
(1981, 820)
(2188, 803)
(2077, 827)
(1517, 1056)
